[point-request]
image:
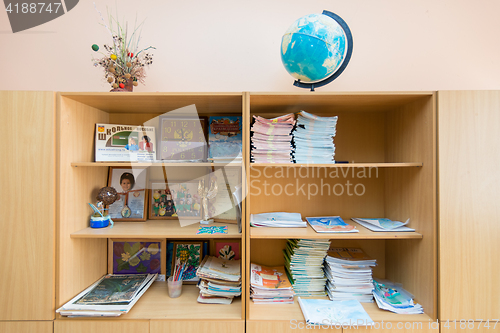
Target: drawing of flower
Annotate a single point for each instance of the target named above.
(226, 252)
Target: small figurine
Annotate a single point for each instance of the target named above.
(105, 197)
(207, 194)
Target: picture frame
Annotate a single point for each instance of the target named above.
(137, 256)
(223, 207)
(183, 138)
(131, 185)
(224, 247)
(161, 205)
(187, 201)
(192, 253)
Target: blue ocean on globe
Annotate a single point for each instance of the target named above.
(313, 48)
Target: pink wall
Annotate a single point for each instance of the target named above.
(222, 45)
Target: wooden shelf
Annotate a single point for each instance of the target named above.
(287, 312)
(309, 233)
(338, 165)
(154, 229)
(155, 164)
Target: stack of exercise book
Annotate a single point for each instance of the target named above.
(270, 285)
(277, 220)
(220, 280)
(392, 297)
(271, 139)
(304, 264)
(313, 139)
(110, 296)
(349, 273)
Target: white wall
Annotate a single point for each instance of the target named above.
(222, 45)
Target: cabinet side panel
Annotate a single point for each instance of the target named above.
(469, 210)
(196, 326)
(101, 326)
(411, 193)
(27, 203)
(27, 326)
(80, 261)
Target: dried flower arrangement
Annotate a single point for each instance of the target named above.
(123, 61)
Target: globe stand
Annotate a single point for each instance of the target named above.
(339, 71)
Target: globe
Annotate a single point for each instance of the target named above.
(314, 47)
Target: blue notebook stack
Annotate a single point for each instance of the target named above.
(313, 139)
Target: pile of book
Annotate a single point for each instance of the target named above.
(349, 273)
(270, 285)
(271, 139)
(313, 139)
(277, 220)
(304, 264)
(220, 280)
(111, 296)
(392, 297)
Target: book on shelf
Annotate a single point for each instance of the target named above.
(383, 224)
(270, 285)
(277, 220)
(220, 280)
(330, 224)
(392, 297)
(225, 139)
(124, 143)
(334, 313)
(112, 295)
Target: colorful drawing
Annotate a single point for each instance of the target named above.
(228, 250)
(137, 257)
(191, 253)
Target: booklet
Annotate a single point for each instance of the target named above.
(325, 312)
(273, 278)
(333, 224)
(382, 224)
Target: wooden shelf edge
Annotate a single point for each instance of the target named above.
(156, 164)
(339, 165)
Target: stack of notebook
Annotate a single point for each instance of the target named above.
(220, 280)
(270, 285)
(392, 297)
(349, 275)
(271, 139)
(313, 139)
(277, 220)
(304, 264)
(111, 296)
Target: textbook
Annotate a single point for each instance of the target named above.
(333, 224)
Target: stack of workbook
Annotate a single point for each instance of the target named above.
(349, 274)
(277, 220)
(304, 264)
(220, 280)
(271, 139)
(313, 138)
(269, 285)
(392, 297)
(111, 296)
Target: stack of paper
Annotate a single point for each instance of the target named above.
(110, 296)
(270, 285)
(349, 275)
(334, 313)
(313, 139)
(271, 140)
(330, 224)
(383, 224)
(392, 297)
(304, 264)
(277, 220)
(220, 280)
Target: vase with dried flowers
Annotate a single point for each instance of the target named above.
(123, 62)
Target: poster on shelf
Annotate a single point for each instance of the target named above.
(124, 143)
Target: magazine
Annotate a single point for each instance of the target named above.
(225, 138)
(333, 224)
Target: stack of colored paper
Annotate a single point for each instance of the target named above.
(277, 220)
(271, 139)
(220, 280)
(304, 264)
(270, 285)
(392, 297)
(313, 139)
(349, 274)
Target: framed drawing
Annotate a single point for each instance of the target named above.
(130, 183)
(137, 256)
(183, 138)
(191, 253)
(161, 204)
(229, 249)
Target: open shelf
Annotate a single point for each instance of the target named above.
(338, 165)
(309, 233)
(154, 229)
(287, 312)
(156, 164)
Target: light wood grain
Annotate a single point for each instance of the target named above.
(309, 233)
(469, 210)
(411, 193)
(26, 326)
(337, 165)
(101, 326)
(189, 326)
(27, 202)
(154, 229)
(156, 164)
(470, 326)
